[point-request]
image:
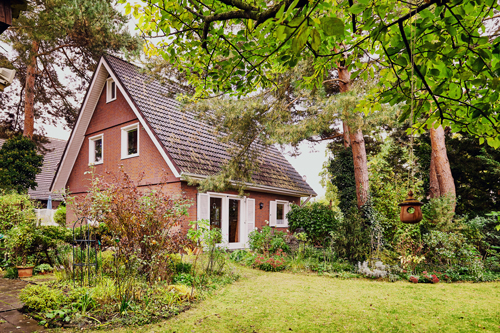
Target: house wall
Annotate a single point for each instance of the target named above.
(261, 215)
(108, 119)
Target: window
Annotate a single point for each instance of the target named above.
(110, 90)
(96, 155)
(277, 213)
(280, 216)
(130, 141)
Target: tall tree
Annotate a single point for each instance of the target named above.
(237, 45)
(50, 39)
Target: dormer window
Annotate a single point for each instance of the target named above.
(96, 155)
(130, 141)
(110, 90)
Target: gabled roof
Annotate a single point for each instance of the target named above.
(188, 145)
(50, 162)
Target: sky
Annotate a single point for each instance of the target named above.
(309, 163)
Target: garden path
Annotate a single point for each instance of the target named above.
(283, 302)
(11, 319)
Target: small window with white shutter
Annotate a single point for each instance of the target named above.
(277, 213)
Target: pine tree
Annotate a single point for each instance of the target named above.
(50, 39)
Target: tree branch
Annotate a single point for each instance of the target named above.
(408, 50)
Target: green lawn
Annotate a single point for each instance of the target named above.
(279, 302)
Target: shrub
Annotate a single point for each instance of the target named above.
(42, 298)
(15, 209)
(19, 164)
(379, 271)
(273, 263)
(267, 241)
(60, 216)
(145, 222)
(351, 240)
(317, 220)
(43, 268)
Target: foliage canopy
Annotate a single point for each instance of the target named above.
(437, 52)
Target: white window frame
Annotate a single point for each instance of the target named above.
(109, 90)
(124, 140)
(286, 209)
(92, 141)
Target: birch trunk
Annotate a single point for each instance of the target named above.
(29, 97)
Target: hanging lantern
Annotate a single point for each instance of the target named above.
(410, 210)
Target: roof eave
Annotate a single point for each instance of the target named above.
(258, 187)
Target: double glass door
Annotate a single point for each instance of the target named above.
(227, 215)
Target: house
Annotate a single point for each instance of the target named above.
(128, 119)
(55, 149)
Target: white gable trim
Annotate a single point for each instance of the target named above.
(78, 134)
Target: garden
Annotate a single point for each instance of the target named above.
(441, 248)
(133, 267)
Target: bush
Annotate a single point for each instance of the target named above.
(43, 268)
(42, 298)
(351, 240)
(144, 222)
(317, 220)
(15, 209)
(267, 241)
(273, 263)
(60, 216)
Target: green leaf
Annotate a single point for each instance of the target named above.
(300, 40)
(332, 26)
(280, 33)
(478, 65)
(316, 40)
(280, 12)
(357, 8)
(455, 90)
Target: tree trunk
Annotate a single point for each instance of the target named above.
(347, 140)
(29, 97)
(441, 163)
(360, 165)
(433, 181)
(357, 142)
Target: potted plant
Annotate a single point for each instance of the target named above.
(19, 243)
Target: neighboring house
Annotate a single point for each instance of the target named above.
(128, 119)
(55, 149)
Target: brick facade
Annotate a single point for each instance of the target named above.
(108, 119)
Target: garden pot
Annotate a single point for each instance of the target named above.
(24, 271)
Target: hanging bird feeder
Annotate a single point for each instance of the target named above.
(410, 210)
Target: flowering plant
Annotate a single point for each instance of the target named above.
(274, 263)
(414, 279)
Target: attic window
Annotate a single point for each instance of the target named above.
(110, 90)
(96, 155)
(130, 141)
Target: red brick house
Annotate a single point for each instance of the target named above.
(128, 119)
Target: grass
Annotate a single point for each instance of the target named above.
(278, 302)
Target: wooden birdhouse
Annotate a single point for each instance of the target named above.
(410, 210)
